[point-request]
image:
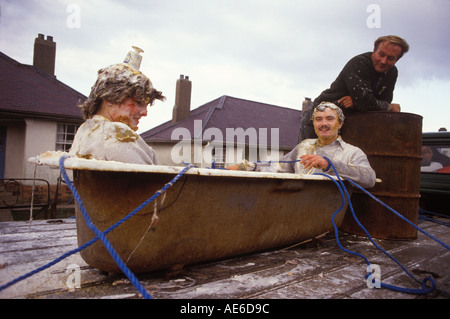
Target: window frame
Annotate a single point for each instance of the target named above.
(65, 135)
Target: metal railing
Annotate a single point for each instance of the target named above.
(11, 195)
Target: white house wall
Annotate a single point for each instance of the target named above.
(14, 149)
(40, 137)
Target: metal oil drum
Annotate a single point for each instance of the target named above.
(392, 142)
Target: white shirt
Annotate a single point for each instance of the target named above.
(102, 139)
(348, 160)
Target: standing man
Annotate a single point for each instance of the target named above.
(366, 83)
(308, 156)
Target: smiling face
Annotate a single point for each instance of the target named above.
(129, 112)
(326, 125)
(385, 56)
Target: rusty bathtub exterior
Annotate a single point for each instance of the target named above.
(206, 215)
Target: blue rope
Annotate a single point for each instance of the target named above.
(138, 286)
(100, 235)
(399, 215)
(342, 188)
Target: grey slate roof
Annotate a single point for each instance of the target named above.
(230, 112)
(29, 91)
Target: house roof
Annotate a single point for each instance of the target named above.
(234, 113)
(29, 91)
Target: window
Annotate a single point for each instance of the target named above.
(64, 136)
(219, 156)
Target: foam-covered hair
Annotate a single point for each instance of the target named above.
(114, 84)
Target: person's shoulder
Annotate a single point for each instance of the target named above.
(361, 61)
(348, 146)
(117, 131)
(363, 57)
(306, 143)
(345, 144)
(124, 133)
(305, 147)
(309, 141)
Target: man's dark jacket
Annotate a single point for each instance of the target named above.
(369, 89)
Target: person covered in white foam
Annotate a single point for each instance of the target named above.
(117, 101)
(308, 157)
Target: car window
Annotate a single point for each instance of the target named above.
(435, 159)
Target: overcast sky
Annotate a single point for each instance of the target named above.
(270, 51)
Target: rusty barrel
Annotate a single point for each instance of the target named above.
(392, 142)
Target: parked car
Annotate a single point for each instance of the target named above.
(435, 172)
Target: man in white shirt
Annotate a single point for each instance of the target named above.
(117, 101)
(308, 156)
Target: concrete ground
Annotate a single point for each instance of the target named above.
(316, 269)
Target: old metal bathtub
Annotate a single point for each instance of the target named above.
(208, 214)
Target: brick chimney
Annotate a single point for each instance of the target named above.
(182, 107)
(44, 54)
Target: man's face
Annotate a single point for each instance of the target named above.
(129, 112)
(385, 56)
(326, 126)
